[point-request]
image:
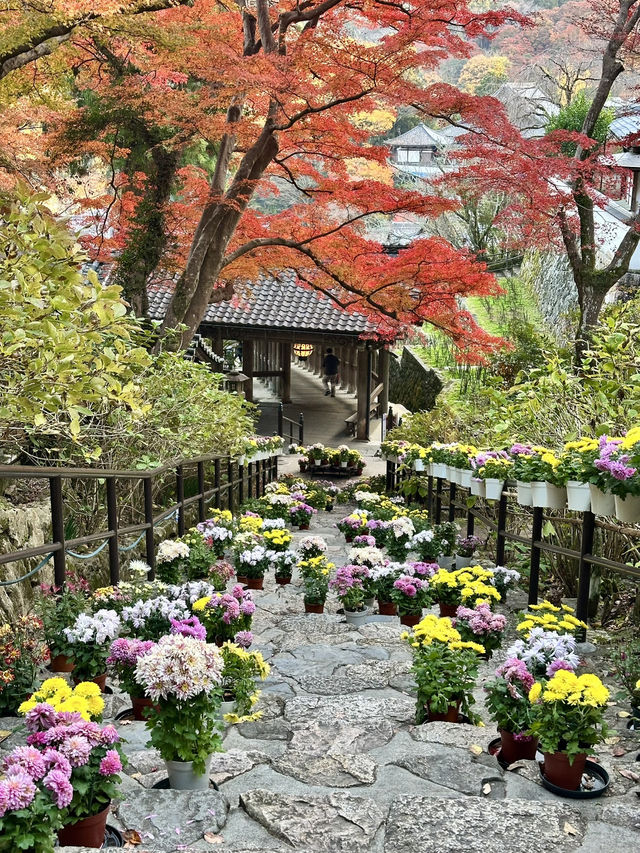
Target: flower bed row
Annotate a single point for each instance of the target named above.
(598, 474)
(340, 460)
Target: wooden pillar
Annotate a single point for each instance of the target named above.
(383, 370)
(217, 342)
(363, 402)
(248, 368)
(285, 357)
(353, 370)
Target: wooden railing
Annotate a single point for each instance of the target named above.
(214, 481)
(443, 499)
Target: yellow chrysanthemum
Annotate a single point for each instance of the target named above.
(51, 686)
(534, 693)
(87, 689)
(201, 603)
(95, 704)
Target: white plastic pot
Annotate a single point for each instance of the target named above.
(478, 487)
(182, 777)
(357, 618)
(493, 488)
(418, 465)
(440, 470)
(465, 478)
(524, 493)
(628, 509)
(463, 562)
(578, 496)
(602, 503)
(547, 496)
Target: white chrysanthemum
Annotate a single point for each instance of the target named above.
(170, 550)
(180, 668)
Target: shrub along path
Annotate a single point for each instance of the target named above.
(335, 763)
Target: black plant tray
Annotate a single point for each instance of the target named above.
(598, 775)
(112, 837)
(331, 470)
(163, 785)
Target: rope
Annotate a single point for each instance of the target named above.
(40, 565)
(88, 556)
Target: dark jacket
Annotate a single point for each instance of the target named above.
(331, 364)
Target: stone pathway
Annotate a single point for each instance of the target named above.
(335, 763)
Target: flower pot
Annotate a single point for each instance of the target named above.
(439, 470)
(387, 608)
(243, 579)
(61, 663)
(369, 602)
(313, 608)
(548, 496)
(602, 503)
(182, 777)
(255, 583)
(100, 680)
(516, 750)
(558, 771)
(451, 715)
(465, 478)
(357, 618)
(447, 609)
(139, 704)
(227, 707)
(446, 562)
(628, 509)
(578, 496)
(463, 562)
(418, 465)
(344, 463)
(493, 488)
(523, 493)
(88, 832)
(410, 619)
(283, 581)
(478, 487)
(304, 526)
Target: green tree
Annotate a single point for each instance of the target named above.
(68, 350)
(572, 117)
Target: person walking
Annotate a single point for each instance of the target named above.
(330, 365)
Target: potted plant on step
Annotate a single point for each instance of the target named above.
(283, 564)
(384, 576)
(225, 614)
(507, 699)
(183, 677)
(34, 793)
(22, 651)
(401, 530)
(240, 670)
(349, 586)
(89, 639)
(466, 547)
(462, 586)
(253, 563)
(504, 579)
(410, 594)
(94, 754)
(300, 514)
(445, 670)
(315, 573)
(171, 560)
(568, 718)
(479, 625)
(123, 657)
(58, 608)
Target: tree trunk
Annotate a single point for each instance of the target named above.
(591, 298)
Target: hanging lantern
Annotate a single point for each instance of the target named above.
(302, 350)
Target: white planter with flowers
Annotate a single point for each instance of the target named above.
(627, 509)
(465, 478)
(440, 470)
(523, 491)
(602, 503)
(548, 496)
(578, 496)
(478, 487)
(493, 488)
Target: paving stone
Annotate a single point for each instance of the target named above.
(452, 768)
(356, 678)
(478, 825)
(329, 755)
(167, 818)
(451, 734)
(234, 762)
(339, 821)
(607, 837)
(377, 713)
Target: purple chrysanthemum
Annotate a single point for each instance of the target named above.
(58, 783)
(18, 790)
(110, 764)
(26, 758)
(243, 639)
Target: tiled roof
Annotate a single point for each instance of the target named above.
(272, 303)
(419, 136)
(625, 125)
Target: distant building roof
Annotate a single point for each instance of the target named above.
(528, 107)
(627, 124)
(271, 303)
(419, 136)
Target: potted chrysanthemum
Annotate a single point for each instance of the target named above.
(89, 639)
(183, 676)
(507, 700)
(349, 586)
(123, 657)
(568, 718)
(240, 671)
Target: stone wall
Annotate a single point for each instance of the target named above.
(23, 526)
(550, 277)
(412, 383)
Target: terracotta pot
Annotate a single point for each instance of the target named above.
(410, 619)
(243, 579)
(387, 608)
(255, 583)
(283, 581)
(303, 526)
(100, 680)
(349, 537)
(447, 609)
(451, 716)
(313, 608)
(558, 771)
(61, 663)
(139, 703)
(88, 832)
(516, 750)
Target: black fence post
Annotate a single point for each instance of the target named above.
(57, 530)
(502, 529)
(430, 495)
(216, 483)
(584, 570)
(301, 429)
(150, 546)
(438, 518)
(230, 479)
(180, 499)
(536, 536)
(202, 509)
(112, 522)
(240, 483)
(389, 476)
(452, 501)
(280, 419)
(471, 521)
